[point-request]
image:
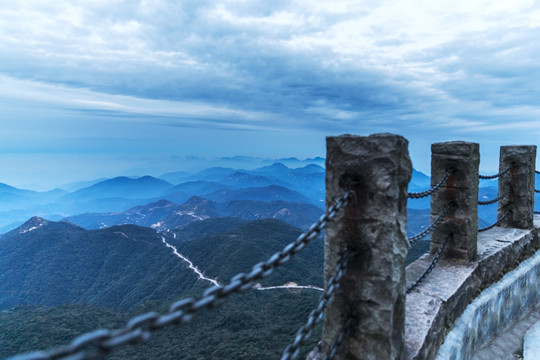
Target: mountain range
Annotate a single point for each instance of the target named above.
(164, 215)
(52, 263)
(59, 280)
(221, 185)
(271, 183)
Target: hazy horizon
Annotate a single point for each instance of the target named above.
(189, 164)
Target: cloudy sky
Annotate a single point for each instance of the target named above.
(111, 87)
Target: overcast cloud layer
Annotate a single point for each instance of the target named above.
(98, 87)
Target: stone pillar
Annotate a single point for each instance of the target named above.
(378, 169)
(461, 189)
(520, 182)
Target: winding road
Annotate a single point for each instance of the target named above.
(287, 286)
(191, 266)
(215, 282)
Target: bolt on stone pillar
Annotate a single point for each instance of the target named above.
(519, 181)
(461, 189)
(378, 169)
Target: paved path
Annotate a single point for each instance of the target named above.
(508, 345)
(531, 343)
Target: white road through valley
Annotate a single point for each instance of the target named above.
(215, 282)
(191, 266)
(287, 286)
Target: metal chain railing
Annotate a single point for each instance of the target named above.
(489, 177)
(537, 172)
(492, 201)
(430, 267)
(430, 191)
(537, 212)
(346, 331)
(140, 328)
(536, 191)
(497, 222)
(432, 227)
(292, 350)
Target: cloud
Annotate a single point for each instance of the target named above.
(428, 70)
(228, 53)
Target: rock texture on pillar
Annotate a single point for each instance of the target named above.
(461, 189)
(378, 169)
(520, 181)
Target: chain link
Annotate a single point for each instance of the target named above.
(292, 350)
(346, 331)
(536, 191)
(537, 212)
(488, 202)
(496, 223)
(140, 328)
(432, 227)
(431, 265)
(537, 172)
(489, 177)
(426, 193)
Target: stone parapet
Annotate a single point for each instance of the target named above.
(433, 307)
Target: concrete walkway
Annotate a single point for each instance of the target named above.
(509, 344)
(531, 343)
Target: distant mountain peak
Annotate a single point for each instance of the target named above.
(314, 167)
(147, 178)
(4, 186)
(197, 200)
(278, 165)
(161, 203)
(32, 224)
(118, 178)
(316, 158)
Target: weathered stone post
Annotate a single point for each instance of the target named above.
(518, 182)
(378, 169)
(461, 190)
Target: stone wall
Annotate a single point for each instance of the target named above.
(432, 309)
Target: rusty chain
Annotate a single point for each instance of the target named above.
(292, 350)
(488, 202)
(140, 328)
(430, 191)
(430, 267)
(489, 177)
(497, 222)
(432, 227)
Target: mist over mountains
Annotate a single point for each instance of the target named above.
(276, 182)
(272, 183)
